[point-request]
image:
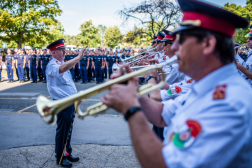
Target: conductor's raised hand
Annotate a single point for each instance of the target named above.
(81, 54)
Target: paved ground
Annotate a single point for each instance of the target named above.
(26, 141)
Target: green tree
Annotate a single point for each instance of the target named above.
(102, 30)
(153, 14)
(246, 12)
(70, 40)
(23, 20)
(136, 37)
(89, 35)
(113, 36)
(54, 33)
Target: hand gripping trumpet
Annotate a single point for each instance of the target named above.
(48, 109)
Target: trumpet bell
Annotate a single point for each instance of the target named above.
(42, 102)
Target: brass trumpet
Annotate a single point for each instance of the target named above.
(48, 109)
(136, 56)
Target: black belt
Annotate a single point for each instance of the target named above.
(44, 64)
(9, 63)
(20, 64)
(83, 65)
(33, 64)
(97, 65)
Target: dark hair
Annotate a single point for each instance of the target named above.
(224, 46)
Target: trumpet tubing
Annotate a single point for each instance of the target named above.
(48, 109)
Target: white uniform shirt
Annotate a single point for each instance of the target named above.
(242, 62)
(177, 89)
(211, 125)
(59, 85)
(248, 65)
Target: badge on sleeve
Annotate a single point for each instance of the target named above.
(187, 135)
(57, 62)
(237, 60)
(174, 91)
(220, 92)
(164, 57)
(247, 67)
(189, 81)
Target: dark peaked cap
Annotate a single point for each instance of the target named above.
(204, 15)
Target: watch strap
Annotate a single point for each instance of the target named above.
(131, 112)
(149, 77)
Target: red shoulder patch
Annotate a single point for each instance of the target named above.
(164, 57)
(178, 89)
(189, 81)
(220, 92)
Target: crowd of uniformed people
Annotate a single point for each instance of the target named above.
(30, 64)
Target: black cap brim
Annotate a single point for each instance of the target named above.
(182, 28)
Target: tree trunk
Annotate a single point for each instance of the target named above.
(19, 43)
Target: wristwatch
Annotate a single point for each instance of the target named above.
(149, 77)
(131, 112)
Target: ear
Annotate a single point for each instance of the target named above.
(209, 45)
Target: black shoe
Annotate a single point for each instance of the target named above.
(73, 158)
(97, 83)
(85, 83)
(82, 82)
(44, 81)
(32, 82)
(36, 82)
(64, 162)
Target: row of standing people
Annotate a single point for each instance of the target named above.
(94, 64)
(31, 64)
(27, 64)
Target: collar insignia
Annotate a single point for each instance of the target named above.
(189, 81)
(220, 92)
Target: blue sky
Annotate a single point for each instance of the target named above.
(76, 12)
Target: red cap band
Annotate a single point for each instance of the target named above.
(209, 22)
(169, 37)
(160, 38)
(56, 46)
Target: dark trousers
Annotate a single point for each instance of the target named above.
(21, 72)
(9, 72)
(110, 71)
(72, 73)
(33, 73)
(93, 73)
(27, 72)
(40, 75)
(17, 72)
(102, 74)
(84, 73)
(77, 72)
(44, 71)
(89, 76)
(105, 72)
(98, 73)
(64, 119)
(159, 132)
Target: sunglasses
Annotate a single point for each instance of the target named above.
(250, 38)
